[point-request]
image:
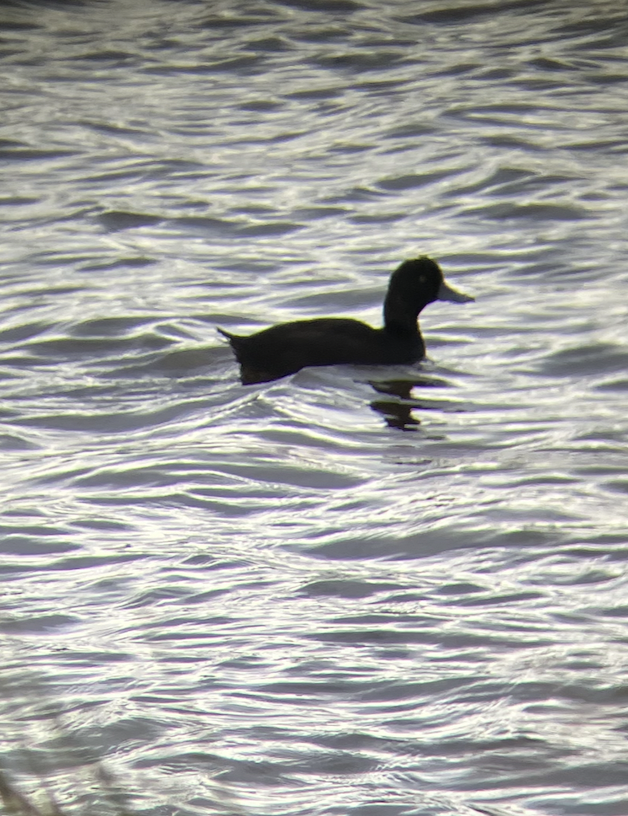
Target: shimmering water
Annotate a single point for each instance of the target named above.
(352, 591)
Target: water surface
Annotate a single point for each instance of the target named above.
(374, 591)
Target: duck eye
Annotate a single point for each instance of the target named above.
(421, 278)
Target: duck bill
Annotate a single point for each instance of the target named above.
(445, 292)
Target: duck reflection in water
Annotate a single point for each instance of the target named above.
(397, 412)
(288, 347)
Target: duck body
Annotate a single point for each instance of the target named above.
(288, 347)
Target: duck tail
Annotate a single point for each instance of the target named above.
(235, 340)
(225, 333)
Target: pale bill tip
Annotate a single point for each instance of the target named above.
(446, 292)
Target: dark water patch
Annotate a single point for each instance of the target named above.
(269, 228)
(492, 73)
(412, 180)
(241, 18)
(260, 105)
(17, 201)
(113, 130)
(345, 588)
(102, 524)
(615, 146)
(592, 358)
(530, 212)
(116, 220)
(620, 384)
(608, 78)
(107, 177)
(271, 44)
(616, 612)
(109, 326)
(23, 332)
(24, 154)
(205, 224)
(17, 25)
(98, 562)
(356, 195)
(37, 624)
(592, 21)
(15, 442)
(498, 600)
(428, 543)
(202, 224)
(105, 422)
(458, 69)
(343, 763)
(213, 66)
(377, 218)
(26, 361)
(537, 83)
(331, 92)
(175, 364)
(280, 138)
(411, 130)
(518, 113)
(10, 143)
(328, 6)
(383, 87)
(122, 478)
(83, 346)
(314, 213)
(455, 14)
(550, 64)
(110, 56)
(220, 509)
(33, 541)
(526, 182)
(509, 140)
(460, 589)
(358, 61)
(412, 637)
(156, 595)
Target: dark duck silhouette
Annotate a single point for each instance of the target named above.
(288, 347)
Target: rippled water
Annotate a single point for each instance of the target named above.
(369, 591)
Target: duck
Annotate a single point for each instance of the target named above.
(286, 348)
